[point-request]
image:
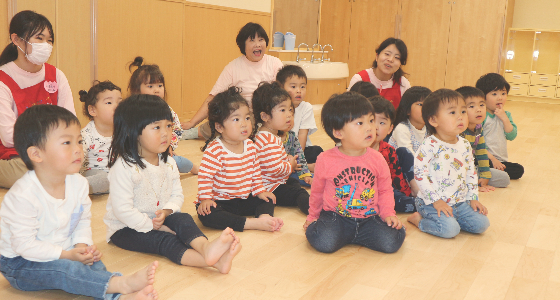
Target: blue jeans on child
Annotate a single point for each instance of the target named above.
(62, 274)
(183, 164)
(332, 231)
(464, 217)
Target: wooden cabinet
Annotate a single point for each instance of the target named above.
(355, 29)
(533, 62)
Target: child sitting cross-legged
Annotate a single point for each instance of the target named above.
(444, 168)
(488, 178)
(351, 198)
(46, 241)
(398, 161)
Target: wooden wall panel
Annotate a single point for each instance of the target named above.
(48, 9)
(4, 25)
(149, 28)
(509, 23)
(474, 47)
(301, 17)
(209, 45)
(335, 28)
(73, 39)
(425, 30)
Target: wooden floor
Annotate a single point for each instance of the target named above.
(517, 258)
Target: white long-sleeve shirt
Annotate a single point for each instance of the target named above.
(136, 194)
(37, 226)
(8, 108)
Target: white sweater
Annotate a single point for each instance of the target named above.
(37, 226)
(136, 194)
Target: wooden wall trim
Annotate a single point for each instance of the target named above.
(93, 16)
(224, 8)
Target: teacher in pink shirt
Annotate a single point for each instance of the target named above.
(245, 72)
(26, 80)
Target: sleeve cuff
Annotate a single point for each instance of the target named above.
(174, 207)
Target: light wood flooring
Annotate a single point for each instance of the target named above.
(517, 258)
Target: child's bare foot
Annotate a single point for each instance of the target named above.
(415, 218)
(139, 280)
(147, 293)
(216, 249)
(224, 264)
(264, 222)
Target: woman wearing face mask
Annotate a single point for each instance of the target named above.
(386, 72)
(26, 80)
(244, 72)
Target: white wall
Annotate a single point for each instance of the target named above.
(541, 14)
(256, 5)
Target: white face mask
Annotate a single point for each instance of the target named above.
(40, 52)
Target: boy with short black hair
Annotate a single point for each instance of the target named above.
(351, 198)
(397, 160)
(488, 178)
(45, 239)
(447, 201)
(294, 81)
(498, 125)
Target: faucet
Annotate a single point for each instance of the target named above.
(313, 51)
(323, 55)
(297, 59)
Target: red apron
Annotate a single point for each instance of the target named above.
(393, 94)
(25, 98)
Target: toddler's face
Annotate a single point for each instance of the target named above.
(384, 126)
(296, 87)
(156, 89)
(476, 109)
(359, 133)
(450, 119)
(104, 109)
(282, 116)
(415, 115)
(63, 153)
(496, 99)
(237, 127)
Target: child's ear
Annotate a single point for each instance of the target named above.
(391, 128)
(34, 154)
(219, 128)
(265, 117)
(337, 134)
(433, 121)
(91, 110)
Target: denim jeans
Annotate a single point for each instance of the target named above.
(404, 203)
(62, 274)
(406, 162)
(464, 217)
(332, 231)
(183, 164)
(172, 246)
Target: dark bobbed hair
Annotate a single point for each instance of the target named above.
(25, 24)
(250, 30)
(265, 98)
(89, 98)
(383, 106)
(341, 109)
(148, 74)
(131, 117)
(401, 46)
(410, 96)
(432, 103)
(33, 126)
(470, 92)
(221, 107)
(492, 82)
(289, 71)
(365, 88)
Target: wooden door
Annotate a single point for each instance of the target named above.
(425, 30)
(372, 22)
(475, 40)
(300, 17)
(335, 28)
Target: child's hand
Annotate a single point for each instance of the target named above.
(293, 161)
(498, 164)
(483, 185)
(394, 222)
(501, 113)
(204, 207)
(80, 254)
(307, 223)
(267, 196)
(166, 229)
(161, 214)
(96, 253)
(441, 206)
(308, 180)
(477, 206)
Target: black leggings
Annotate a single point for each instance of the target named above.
(311, 153)
(160, 242)
(514, 170)
(229, 213)
(292, 194)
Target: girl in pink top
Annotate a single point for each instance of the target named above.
(351, 196)
(26, 80)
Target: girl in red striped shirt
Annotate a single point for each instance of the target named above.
(229, 179)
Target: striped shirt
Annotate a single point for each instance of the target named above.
(275, 168)
(480, 151)
(224, 175)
